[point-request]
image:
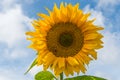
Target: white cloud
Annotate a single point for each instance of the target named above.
(95, 14)
(17, 53)
(103, 75)
(12, 26)
(107, 65)
(111, 40)
(8, 74)
(6, 4)
(104, 3)
(108, 6)
(29, 1)
(110, 52)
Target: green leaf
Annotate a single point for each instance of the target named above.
(44, 75)
(85, 77)
(32, 65)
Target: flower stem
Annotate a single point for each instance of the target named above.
(61, 76)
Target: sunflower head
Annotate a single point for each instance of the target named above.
(65, 39)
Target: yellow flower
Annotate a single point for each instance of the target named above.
(65, 39)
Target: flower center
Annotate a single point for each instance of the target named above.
(64, 39)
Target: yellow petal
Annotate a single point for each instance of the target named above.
(93, 53)
(56, 14)
(41, 55)
(58, 70)
(51, 20)
(92, 36)
(55, 63)
(98, 41)
(37, 47)
(85, 58)
(69, 10)
(73, 12)
(90, 46)
(69, 69)
(76, 6)
(72, 61)
(78, 58)
(48, 59)
(43, 16)
(81, 63)
(61, 62)
(63, 13)
(99, 46)
(84, 18)
(91, 30)
(31, 33)
(66, 71)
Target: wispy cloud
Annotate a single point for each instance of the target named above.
(13, 25)
(107, 64)
(111, 51)
(107, 3)
(12, 74)
(108, 6)
(16, 53)
(95, 14)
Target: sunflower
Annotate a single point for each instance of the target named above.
(66, 41)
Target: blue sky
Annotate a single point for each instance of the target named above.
(15, 20)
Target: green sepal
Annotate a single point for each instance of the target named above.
(32, 65)
(85, 77)
(45, 75)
